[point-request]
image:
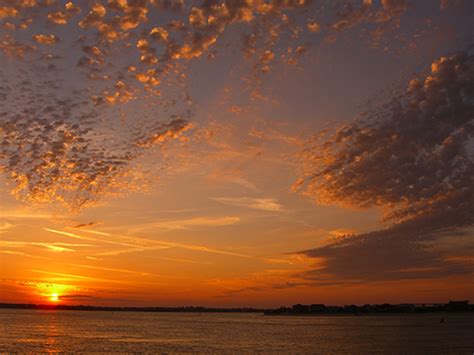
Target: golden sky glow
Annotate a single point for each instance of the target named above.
(236, 153)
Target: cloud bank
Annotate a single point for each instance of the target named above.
(413, 158)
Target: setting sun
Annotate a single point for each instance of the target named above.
(54, 297)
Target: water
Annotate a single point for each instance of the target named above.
(76, 331)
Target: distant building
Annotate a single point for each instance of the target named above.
(457, 306)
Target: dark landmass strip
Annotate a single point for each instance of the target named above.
(295, 310)
(189, 309)
(315, 309)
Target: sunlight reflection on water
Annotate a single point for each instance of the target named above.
(75, 331)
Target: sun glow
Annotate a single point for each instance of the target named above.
(52, 292)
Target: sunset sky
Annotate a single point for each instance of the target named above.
(236, 153)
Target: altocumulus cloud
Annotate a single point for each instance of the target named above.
(413, 158)
(61, 140)
(52, 150)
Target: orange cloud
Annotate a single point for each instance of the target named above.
(46, 39)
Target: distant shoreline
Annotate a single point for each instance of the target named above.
(295, 310)
(186, 309)
(368, 309)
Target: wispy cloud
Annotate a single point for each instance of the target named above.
(138, 244)
(77, 236)
(111, 269)
(4, 226)
(73, 277)
(54, 246)
(24, 214)
(72, 235)
(263, 204)
(91, 231)
(20, 253)
(58, 248)
(186, 261)
(188, 223)
(200, 248)
(131, 250)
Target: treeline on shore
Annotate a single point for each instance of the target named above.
(297, 309)
(301, 309)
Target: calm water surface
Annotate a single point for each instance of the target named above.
(76, 331)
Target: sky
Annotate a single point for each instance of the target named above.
(236, 153)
